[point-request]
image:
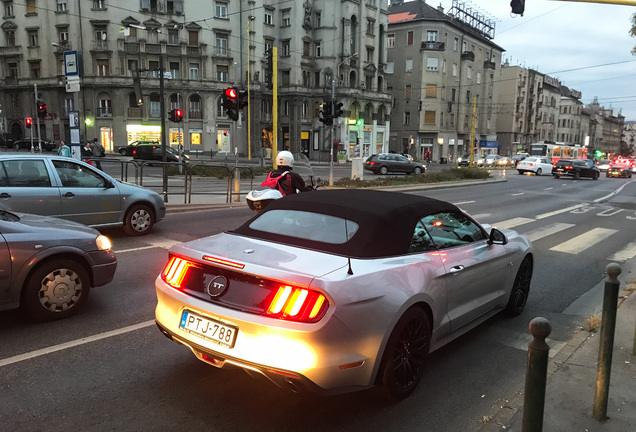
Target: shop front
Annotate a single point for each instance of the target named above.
(142, 132)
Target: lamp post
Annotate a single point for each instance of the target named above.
(333, 126)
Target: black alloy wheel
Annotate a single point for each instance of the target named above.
(384, 170)
(520, 289)
(405, 354)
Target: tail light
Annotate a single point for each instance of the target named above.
(297, 304)
(176, 270)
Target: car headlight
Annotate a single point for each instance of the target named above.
(103, 243)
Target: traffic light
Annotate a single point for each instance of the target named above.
(518, 6)
(42, 110)
(243, 99)
(269, 76)
(176, 115)
(230, 102)
(327, 117)
(337, 109)
(28, 122)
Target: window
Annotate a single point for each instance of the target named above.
(452, 229)
(62, 35)
(431, 90)
(221, 10)
(33, 38)
(286, 20)
(99, 4)
(174, 6)
(429, 117)
(431, 36)
(407, 92)
(9, 38)
(306, 48)
(454, 69)
(432, 63)
(193, 38)
(174, 70)
(155, 106)
(409, 64)
(269, 19)
(421, 241)
(222, 73)
(104, 106)
(453, 94)
(103, 68)
(221, 45)
(75, 175)
(390, 40)
(173, 37)
(286, 48)
(269, 44)
(370, 54)
(469, 72)
(370, 26)
(407, 118)
(318, 19)
(194, 108)
(389, 67)
(61, 6)
(153, 65)
(444, 66)
(194, 71)
(455, 44)
(305, 110)
(30, 7)
(409, 38)
(34, 69)
(25, 173)
(318, 49)
(132, 65)
(13, 73)
(8, 9)
(478, 77)
(286, 108)
(101, 35)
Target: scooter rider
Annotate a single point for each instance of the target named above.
(291, 182)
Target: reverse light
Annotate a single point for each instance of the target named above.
(297, 304)
(175, 271)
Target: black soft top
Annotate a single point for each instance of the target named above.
(386, 219)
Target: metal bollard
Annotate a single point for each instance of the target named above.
(536, 375)
(606, 344)
(237, 185)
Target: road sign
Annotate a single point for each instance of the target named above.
(70, 63)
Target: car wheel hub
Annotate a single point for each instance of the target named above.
(61, 289)
(140, 221)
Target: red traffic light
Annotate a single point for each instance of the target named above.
(178, 113)
(231, 93)
(28, 122)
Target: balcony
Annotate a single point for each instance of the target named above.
(194, 51)
(173, 50)
(9, 50)
(468, 55)
(104, 112)
(131, 47)
(100, 45)
(195, 115)
(432, 46)
(134, 112)
(153, 48)
(489, 65)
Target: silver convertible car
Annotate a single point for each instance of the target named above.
(340, 290)
(62, 187)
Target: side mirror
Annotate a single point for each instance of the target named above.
(497, 237)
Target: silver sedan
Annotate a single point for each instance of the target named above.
(340, 290)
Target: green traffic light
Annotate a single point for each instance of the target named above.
(360, 122)
(88, 121)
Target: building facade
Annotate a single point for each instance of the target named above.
(188, 53)
(443, 68)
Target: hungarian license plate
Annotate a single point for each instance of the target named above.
(209, 329)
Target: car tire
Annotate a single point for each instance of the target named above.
(384, 170)
(577, 175)
(139, 220)
(123, 152)
(595, 176)
(520, 289)
(539, 171)
(556, 176)
(56, 289)
(521, 171)
(405, 354)
(417, 171)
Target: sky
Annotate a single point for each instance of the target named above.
(586, 46)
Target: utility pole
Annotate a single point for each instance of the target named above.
(333, 132)
(162, 113)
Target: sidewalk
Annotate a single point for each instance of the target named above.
(571, 383)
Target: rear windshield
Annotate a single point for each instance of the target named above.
(306, 226)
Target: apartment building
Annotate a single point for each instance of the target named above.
(188, 53)
(442, 67)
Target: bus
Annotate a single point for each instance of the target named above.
(558, 150)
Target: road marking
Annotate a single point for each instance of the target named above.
(511, 223)
(628, 252)
(550, 188)
(165, 244)
(517, 194)
(547, 230)
(556, 212)
(463, 202)
(71, 344)
(584, 241)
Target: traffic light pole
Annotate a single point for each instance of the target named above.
(162, 111)
(37, 120)
(333, 132)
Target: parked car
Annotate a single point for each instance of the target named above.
(603, 164)
(51, 185)
(6, 140)
(338, 290)
(536, 165)
(49, 265)
(619, 170)
(155, 153)
(408, 156)
(25, 144)
(519, 157)
(128, 149)
(576, 168)
(505, 162)
(488, 160)
(392, 162)
(465, 160)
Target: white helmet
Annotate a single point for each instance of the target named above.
(285, 158)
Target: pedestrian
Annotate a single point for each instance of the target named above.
(64, 150)
(97, 151)
(87, 153)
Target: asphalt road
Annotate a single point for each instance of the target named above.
(109, 368)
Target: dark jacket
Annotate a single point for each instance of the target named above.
(291, 182)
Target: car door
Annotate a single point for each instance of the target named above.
(86, 196)
(26, 187)
(546, 166)
(401, 164)
(475, 270)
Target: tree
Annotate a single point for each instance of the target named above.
(632, 32)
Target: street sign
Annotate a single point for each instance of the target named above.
(70, 63)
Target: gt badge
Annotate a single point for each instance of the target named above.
(217, 286)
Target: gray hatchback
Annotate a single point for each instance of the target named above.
(62, 187)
